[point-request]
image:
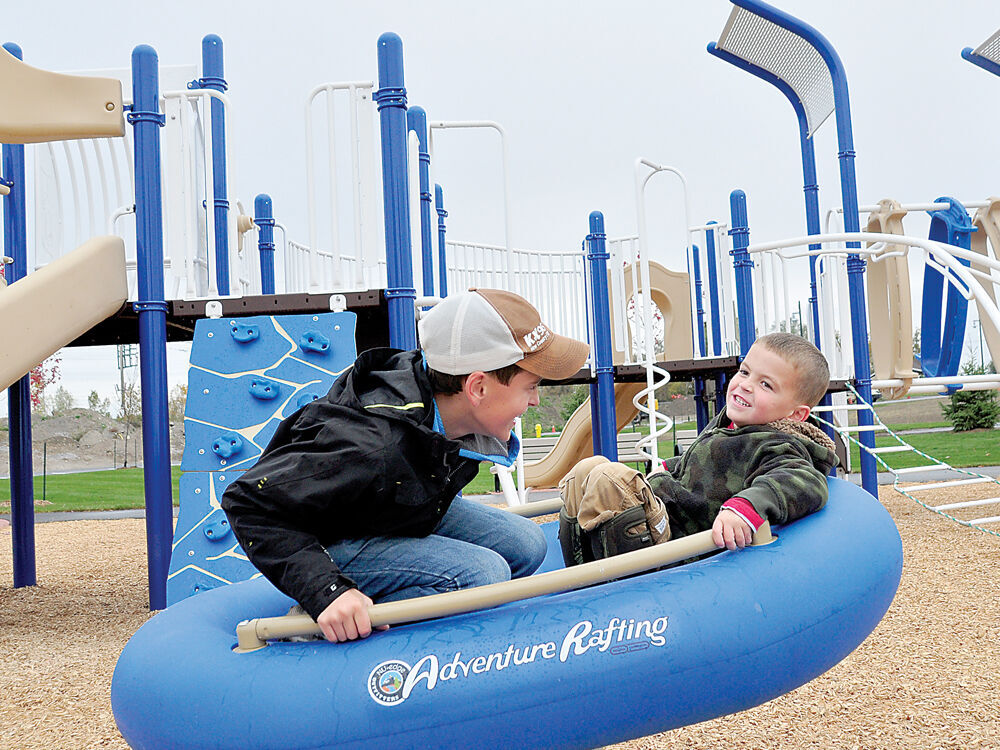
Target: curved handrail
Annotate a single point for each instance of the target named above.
(946, 255)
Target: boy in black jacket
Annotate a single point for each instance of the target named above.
(354, 499)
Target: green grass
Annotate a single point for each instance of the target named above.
(122, 489)
(973, 448)
(117, 489)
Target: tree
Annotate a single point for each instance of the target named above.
(41, 377)
(62, 402)
(580, 394)
(131, 413)
(176, 403)
(98, 404)
(970, 410)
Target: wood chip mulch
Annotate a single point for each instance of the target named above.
(926, 678)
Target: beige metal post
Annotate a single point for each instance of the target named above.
(252, 635)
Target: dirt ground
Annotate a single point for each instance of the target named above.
(84, 440)
(926, 678)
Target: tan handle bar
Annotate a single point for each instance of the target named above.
(252, 635)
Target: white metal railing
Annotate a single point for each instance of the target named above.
(944, 257)
(85, 188)
(504, 161)
(332, 267)
(553, 281)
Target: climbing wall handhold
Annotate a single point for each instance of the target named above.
(314, 341)
(244, 333)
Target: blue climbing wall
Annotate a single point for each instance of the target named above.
(245, 376)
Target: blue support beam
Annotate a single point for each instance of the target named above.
(151, 307)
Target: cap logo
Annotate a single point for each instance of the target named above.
(536, 337)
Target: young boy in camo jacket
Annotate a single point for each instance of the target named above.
(759, 459)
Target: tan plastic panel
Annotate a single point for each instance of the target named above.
(987, 221)
(671, 293)
(40, 106)
(889, 303)
(51, 307)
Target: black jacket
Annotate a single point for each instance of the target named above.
(364, 461)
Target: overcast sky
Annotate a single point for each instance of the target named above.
(582, 89)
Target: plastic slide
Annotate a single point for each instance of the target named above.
(46, 310)
(43, 106)
(671, 293)
(577, 439)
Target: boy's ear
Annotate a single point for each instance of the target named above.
(800, 413)
(474, 387)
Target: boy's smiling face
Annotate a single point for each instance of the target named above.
(764, 390)
(502, 404)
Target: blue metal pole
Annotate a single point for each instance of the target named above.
(713, 292)
(810, 183)
(416, 120)
(606, 430)
(213, 78)
(22, 492)
(699, 304)
(151, 307)
(700, 406)
(740, 232)
(442, 248)
(391, 99)
(263, 217)
(852, 222)
(985, 63)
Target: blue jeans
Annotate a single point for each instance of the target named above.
(473, 545)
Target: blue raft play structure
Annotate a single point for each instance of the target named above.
(581, 668)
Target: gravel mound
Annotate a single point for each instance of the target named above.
(85, 440)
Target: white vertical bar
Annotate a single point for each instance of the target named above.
(210, 248)
(331, 137)
(311, 194)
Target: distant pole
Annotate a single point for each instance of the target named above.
(713, 290)
(442, 247)
(416, 119)
(214, 78)
(263, 217)
(740, 233)
(391, 100)
(605, 430)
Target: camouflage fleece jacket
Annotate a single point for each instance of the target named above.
(779, 468)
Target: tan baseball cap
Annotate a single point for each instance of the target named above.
(487, 329)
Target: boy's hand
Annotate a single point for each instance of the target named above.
(731, 531)
(346, 618)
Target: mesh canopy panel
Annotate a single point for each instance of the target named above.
(785, 54)
(990, 49)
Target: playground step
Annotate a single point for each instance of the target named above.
(862, 428)
(954, 483)
(892, 449)
(928, 467)
(967, 504)
(845, 407)
(986, 519)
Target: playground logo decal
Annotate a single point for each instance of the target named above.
(385, 683)
(392, 682)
